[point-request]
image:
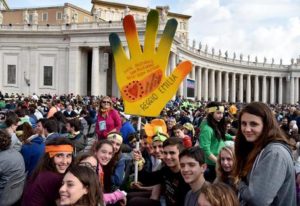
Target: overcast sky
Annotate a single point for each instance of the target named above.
(262, 28)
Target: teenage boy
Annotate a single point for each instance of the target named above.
(169, 177)
(192, 166)
(178, 130)
(78, 139)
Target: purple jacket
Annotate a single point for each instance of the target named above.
(43, 190)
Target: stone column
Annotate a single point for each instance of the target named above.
(233, 87)
(212, 85)
(241, 88)
(205, 84)
(256, 88)
(264, 89)
(248, 89)
(74, 63)
(193, 72)
(292, 90)
(172, 63)
(219, 87)
(272, 91)
(95, 71)
(115, 89)
(296, 89)
(198, 81)
(226, 87)
(102, 75)
(280, 91)
(172, 66)
(181, 88)
(34, 68)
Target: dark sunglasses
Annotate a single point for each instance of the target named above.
(105, 102)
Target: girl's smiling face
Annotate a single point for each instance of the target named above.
(104, 154)
(71, 190)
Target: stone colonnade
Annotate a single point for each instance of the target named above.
(219, 85)
(210, 84)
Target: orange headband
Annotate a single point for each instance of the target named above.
(55, 149)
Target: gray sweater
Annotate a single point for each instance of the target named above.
(272, 179)
(12, 176)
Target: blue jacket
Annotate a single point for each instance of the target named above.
(32, 152)
(53, 136)
(126, 130)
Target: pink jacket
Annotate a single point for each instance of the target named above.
(112, 121)
(112, 198)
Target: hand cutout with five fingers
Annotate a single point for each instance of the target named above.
(141, 78)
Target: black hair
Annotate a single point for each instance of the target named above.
(75, 123)
(11, 118)
(5, 140)
(194, 152)
(174, 141)
(51, 126)
(218, 127)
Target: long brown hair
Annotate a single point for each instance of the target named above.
(218, 127)
(89, 180)
(46, 162)
(107, 169)
(27, 132)
(246, 152)
(220, 194)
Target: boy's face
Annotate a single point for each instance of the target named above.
(68, 127)
(158, 150)
(191, 170)
(39, 128)
(179, 133)
(146, 146)
(171, 156)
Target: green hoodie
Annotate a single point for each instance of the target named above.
(209, 142)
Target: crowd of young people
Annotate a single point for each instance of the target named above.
(73, 150)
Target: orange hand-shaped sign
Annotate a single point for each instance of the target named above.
(144, 86)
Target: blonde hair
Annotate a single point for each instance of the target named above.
(222, 176)
(102, 99)
(220, 194)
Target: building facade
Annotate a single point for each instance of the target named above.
(65, 49)
(3, 5)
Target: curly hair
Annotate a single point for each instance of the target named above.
(5, 140)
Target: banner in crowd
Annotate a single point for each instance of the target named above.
(141, 78)
(190, 88)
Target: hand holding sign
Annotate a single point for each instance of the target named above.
(141, 78)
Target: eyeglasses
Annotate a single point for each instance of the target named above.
(105, 102)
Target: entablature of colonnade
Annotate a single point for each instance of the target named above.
(96, 34)
(85, 34)
(221, 63)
